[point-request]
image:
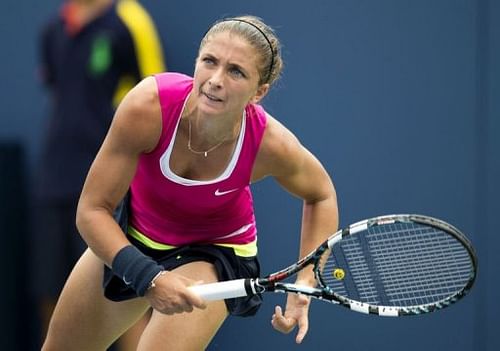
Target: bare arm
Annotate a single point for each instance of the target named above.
(283, 157)
(299, 172)
(135, 129)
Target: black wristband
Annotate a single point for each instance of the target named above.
(135, 269)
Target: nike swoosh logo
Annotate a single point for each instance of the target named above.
(126, 281)
(220, 193)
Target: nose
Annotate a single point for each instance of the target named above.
(216, 79)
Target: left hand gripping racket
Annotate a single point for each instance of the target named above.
(392, 265)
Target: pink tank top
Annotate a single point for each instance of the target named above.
(177, 211)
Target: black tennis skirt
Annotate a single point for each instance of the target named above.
(227, 264)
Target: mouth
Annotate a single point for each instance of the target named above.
(212, 97)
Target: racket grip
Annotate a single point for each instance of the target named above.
(223, 290)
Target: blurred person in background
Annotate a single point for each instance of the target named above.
(91, 53)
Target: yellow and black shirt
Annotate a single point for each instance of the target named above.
(88, 70)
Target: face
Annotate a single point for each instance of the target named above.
(226, 77)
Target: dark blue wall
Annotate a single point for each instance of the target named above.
(398, 99)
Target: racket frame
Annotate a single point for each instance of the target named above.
(274, 282)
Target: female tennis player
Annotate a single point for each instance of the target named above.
(186, 150)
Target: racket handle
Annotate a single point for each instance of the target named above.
(223, 290)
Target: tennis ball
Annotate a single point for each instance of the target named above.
(339, 273)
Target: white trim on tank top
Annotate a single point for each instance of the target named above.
(169, 174)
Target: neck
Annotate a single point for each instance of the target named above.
(87, 10)
(91, 3)
(205, 133)
(209, 130)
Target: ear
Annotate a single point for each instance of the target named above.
(262, 91)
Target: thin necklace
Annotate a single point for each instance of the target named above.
(205, 153)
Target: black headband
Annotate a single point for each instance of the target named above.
(271, 65)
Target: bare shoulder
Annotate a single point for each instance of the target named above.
(144, 95)
(280, 152)
(284, 158)
(138, 117)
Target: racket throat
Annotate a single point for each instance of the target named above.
(300, 289)
(252, 287)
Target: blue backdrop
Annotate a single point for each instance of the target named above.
(397, 98)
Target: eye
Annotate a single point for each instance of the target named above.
(236, 72)
(208, 60)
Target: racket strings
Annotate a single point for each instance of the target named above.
(358, 270)
(427, 267)
(400, 264)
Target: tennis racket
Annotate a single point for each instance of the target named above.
(392, 265)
